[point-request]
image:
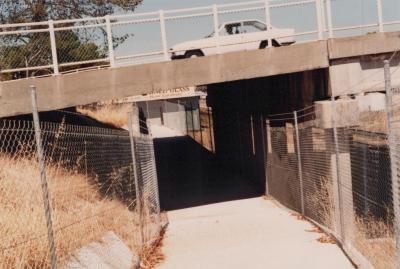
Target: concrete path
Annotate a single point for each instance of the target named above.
(252, 233)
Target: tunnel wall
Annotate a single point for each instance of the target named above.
(241, 107)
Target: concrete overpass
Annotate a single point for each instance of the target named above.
(341, 56)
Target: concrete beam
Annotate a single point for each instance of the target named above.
(370, 44)
(105, 84)
(101, 85)
(361, 74)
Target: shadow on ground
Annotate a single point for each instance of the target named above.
(189, 175)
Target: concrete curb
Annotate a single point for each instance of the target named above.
(109, 253)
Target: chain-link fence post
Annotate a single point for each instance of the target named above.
(136, 181)
(392, 149)
(192, 116)
(210, 126)
(266, 151)
(45, 188)
(300, 168)
(156, 188)
(338, 198)
(201, 129)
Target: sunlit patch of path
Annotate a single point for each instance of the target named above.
(253, 233)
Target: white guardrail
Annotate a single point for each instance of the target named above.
(53, 47)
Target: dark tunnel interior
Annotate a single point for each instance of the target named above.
(190, 175)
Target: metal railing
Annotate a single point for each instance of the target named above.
(51, 47)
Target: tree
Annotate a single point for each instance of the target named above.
(33, 49)
(12, 11)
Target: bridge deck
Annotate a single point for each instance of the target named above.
(81, 88)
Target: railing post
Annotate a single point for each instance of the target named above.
(110, 41)
(164, 35)
(323, 16)
(216, 28)
(339, 202)
(318, 8)
(45, 187)
(268, 21)
(136, 180)
(53, 45)
(380, 15)
(393, 161)
(300, 168)
(329, 17)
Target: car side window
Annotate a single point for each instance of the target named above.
(231, 29)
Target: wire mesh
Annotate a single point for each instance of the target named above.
(148, 187)
(91, 191)
(367, 188)
(81, 44)
(316, 146)
(390, 16)
(299, 15)
(283, 174)
(137, 39)
(28, 52)
(190, 26)
(23, 223)
(348, 191)
(363, 21)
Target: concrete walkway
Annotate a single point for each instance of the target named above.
(253, 233)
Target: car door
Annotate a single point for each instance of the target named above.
(254, 33)
(231, 37)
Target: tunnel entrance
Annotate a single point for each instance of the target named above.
(190, 174)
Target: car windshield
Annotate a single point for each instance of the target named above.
(255, 25)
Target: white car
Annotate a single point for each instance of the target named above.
(234, 36)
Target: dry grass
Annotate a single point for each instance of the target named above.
(115, 115)
(324, 238)
(321, 200)
(80, 215)
(373, 238)
(153, 255)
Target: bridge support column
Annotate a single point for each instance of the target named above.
(340, 161)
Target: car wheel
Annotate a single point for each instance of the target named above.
(194, 54)
(264, 44)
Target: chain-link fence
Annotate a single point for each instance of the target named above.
(92, 191)
(336, 164)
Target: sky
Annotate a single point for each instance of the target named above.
(146, 37)
(153, 5)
